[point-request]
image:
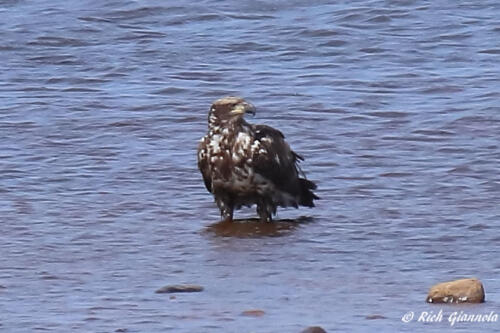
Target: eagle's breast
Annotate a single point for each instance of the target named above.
(229, 154)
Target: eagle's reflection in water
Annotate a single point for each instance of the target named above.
(250, 228)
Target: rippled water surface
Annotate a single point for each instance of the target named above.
(394, 105)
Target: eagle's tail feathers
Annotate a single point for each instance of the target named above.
(306, 194)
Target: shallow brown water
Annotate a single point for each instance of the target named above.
(394, 105)
(250, 228)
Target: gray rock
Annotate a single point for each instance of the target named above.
(180, 288)
(375, 316)
(313, 329)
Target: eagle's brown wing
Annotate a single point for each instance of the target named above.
(275, 160)
(203, 164)
(278, 163)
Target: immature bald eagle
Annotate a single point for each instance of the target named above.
(244, 164)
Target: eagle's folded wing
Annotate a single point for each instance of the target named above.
(275, 160)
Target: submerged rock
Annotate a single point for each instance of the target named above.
(253, 228)
(314, 329)
(458, 291)
(180, 288)
(375, 316)
(253, 313)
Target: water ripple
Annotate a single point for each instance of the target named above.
(393, 104)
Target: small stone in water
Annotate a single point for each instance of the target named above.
(180, 288)
(375, 316)
(253, 313)
(314, 329)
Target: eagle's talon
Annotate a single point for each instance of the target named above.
(227, 220)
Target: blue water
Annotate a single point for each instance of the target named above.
(394, 105)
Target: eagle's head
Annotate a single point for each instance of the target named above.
(229, 110)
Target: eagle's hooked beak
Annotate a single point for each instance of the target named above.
(243, 107)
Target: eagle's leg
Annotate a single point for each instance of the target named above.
(226, 210)
(265, 211)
